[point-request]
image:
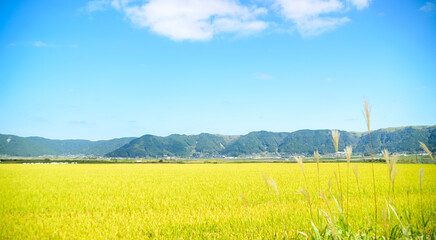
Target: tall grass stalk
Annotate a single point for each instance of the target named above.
(348, 152)
(392, 170)
(335, 136)
(421, 180)
(305, 190)
(305, 193)
(356, 174)
(368, 123)
(316, 155)
(270, 183)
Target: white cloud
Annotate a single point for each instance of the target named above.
(429, 6)
(193, 19)
(301, 9)
(309, 15)
(317, 25)
(360, 4)
(204, 19)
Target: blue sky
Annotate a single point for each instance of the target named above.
(104, 69)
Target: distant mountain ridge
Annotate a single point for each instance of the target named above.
(205, 145)
(264, 143)
(12, 145)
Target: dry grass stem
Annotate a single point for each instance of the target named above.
(348, 151)
(300, 162)
(273, 184)
(355, 168)
(335, 136)
(265, 178)
(316, 155)
(368, 124)
(304, 192)
(244, 199)
(391, 162)
(421, 177)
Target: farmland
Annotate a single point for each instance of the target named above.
(230, 201)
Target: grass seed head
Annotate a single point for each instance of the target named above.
(367, 115)
(348, 152)
(300, 162)
(335, 136)
(273, 185)
(385, 153)
(304, 192)
(425, 148)
(393, 162)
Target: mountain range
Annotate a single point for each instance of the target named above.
(205, 145)
(11, 145)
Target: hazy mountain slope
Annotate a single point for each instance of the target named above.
(404, 139)
(308, 141)
(36, 146)
(255, 142)
(174, 145)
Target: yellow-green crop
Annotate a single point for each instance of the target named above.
(194, 201)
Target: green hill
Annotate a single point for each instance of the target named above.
(203, 145)
(403, 139)
(308, 141)
(260, 143)
(255, 143)
(12, 145)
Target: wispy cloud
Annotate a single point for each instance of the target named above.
(204, 19)
(360, 4)
(96, 5)
(328, 80)
(420, 88)
(316, 26)
(263, 76)
(429, 6)
(81, 123)
(39, 44)
(314, 17)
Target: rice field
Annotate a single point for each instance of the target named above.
(214, 201)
